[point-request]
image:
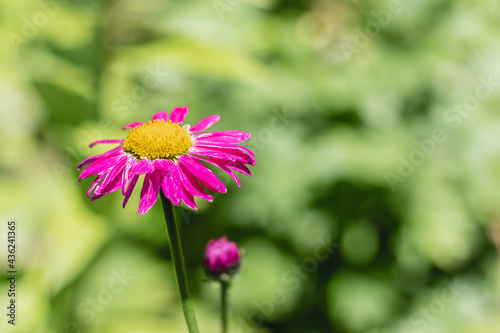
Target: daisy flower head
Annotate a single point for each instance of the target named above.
(170, 156)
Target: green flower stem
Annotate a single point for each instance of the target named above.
(224, 285)
(180, 267)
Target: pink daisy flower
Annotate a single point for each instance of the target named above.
(171, 157)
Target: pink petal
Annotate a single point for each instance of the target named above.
(96, 181)
(224, 146)
(206, 177)
(162, 115)
(171, 184)
(132, 125)
(229, 147)
(162, 165)
(248, 151)
(190, 183)
(101, 165)
(130, 189)
(96, 196)
(204, 123)
(125, 174)
(141, 167)
(222, 166)
(105, 141)
(223, 153)
(92, 159)
(178, 114)
(149, 192)
(188, 198)
(240, 167)
(223, 137)
(237, 166)
(113, 179)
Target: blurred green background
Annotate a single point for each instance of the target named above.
(374, 205)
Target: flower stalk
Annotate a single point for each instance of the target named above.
(179, 265)
(224, 285)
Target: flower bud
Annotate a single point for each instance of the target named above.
(222, 259)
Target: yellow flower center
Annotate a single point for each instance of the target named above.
(158, 139)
